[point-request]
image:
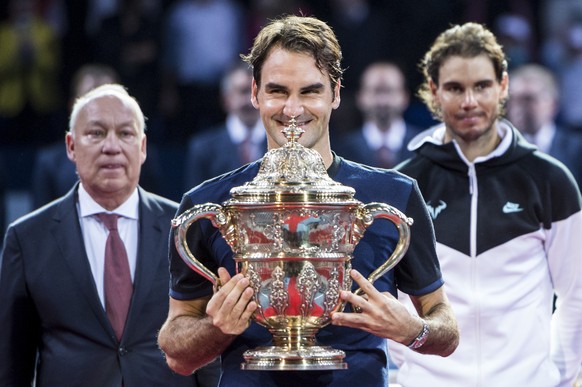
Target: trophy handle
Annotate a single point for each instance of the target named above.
(372, 211)
(181, 224)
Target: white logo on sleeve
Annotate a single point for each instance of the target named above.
(510, 207)
(435, 211)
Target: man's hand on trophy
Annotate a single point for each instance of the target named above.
(231, 307)
(381, 313)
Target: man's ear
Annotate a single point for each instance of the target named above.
(504, 85)
(336, 95)
(70, 144)
(255, 90)
(144, 149)
(433, 87)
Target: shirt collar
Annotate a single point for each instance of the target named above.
(392, 138)
(88, 206)
(334, 167)
(238, 131)
(543, 138)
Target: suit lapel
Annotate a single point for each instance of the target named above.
(151, 239)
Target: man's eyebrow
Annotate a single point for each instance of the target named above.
(273, 85)
(100, 122)
(485, 81)
(451, 83)
(314, 86)
(95, 122)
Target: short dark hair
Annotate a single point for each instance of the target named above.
(301, 34)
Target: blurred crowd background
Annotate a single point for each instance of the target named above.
(171, 55)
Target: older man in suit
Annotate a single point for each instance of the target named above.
(533, 106)
(53, 174)
(239, 140)
(61, 322)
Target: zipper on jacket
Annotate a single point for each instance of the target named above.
(474, 194)
(474, 263)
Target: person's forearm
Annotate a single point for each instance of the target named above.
(191, 343)
(443, 338)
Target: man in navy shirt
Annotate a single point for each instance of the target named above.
(297, 73)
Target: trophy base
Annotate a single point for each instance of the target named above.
(313, 358)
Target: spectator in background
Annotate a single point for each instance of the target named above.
(260, 12)
(29, 74)
(367, 34)
(54, 174)
(561, 52)
(570, 78)
(201, 39)
(129, 42)
(556, 19)
(239, 140)
(97, 11)
(62, 323)
(391, 30)
(533, 106)
(382, 99)
(515, 35)
(488, 13)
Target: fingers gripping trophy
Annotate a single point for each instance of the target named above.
(293, 231)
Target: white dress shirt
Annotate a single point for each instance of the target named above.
(95, 233)
(392, 138)
(543, 138)
(238, 133)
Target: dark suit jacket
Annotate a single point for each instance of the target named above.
(210, 154)
(567, 147)
(49, 304)
(353, 146)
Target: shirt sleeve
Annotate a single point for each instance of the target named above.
(419, 271)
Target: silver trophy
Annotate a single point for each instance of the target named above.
(293, 231)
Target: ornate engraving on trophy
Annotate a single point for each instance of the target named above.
(278, 295)
(333, 292)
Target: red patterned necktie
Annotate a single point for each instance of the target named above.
(246, 148)
(117, 279)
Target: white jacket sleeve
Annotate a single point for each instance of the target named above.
(564, 253)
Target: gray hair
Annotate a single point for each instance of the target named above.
(108, 90)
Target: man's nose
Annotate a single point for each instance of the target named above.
(469, 99)
(293, 106)
(111, 143)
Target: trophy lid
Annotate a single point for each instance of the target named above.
(292, 173)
